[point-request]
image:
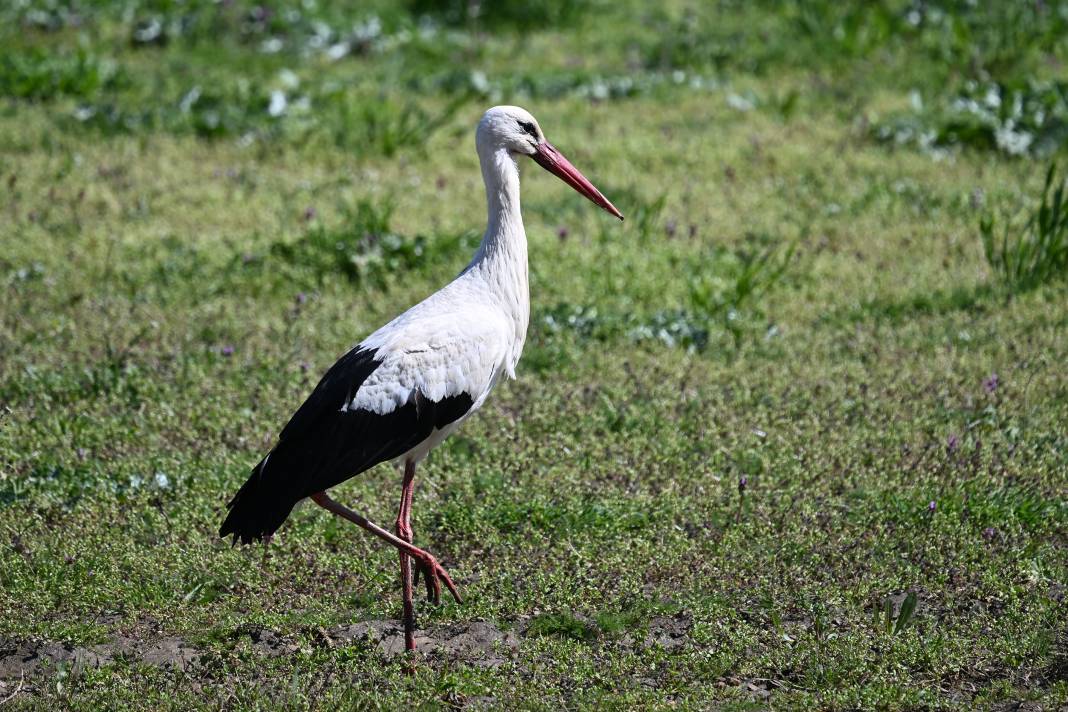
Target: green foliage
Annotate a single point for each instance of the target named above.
(988, 40)
(976, 40)
(42, 76)
(529, 16)
(363, 249)
(848, 30)
(1019, 119)
(563, 625)
(689, 42)
(940, 41)
(646, 218)
(1025, 255)
(737, 280)
(894, 625)
(368, 126)
(207, 113)
(379, 126)
(271, 25)
(724, 294)
(563, 83)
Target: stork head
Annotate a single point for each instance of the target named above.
(514, 129)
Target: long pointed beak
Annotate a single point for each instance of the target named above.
(553, 161)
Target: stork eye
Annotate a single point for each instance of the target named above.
(528, 127)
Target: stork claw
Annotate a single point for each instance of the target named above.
(420, 568)
(433, 575)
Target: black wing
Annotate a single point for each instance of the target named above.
(323, 445)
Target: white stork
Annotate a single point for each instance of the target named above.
(403, 389)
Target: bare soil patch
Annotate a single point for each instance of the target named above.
(477, 643)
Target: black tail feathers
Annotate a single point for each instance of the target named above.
(255, 511)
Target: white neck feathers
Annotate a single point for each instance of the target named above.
(501, 259)
(504, 223)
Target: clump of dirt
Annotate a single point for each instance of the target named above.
(270, 644)
(169, 652)
(669, 632)
(26, 658)
(477, 643)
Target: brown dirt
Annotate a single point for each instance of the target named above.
(669, 632)
(18, 659)
(476, 643)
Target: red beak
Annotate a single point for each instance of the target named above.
(553, 161)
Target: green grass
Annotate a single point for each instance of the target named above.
(1036, 252)
(799, 297)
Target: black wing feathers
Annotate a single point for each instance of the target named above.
(337, 386)
(322, 446)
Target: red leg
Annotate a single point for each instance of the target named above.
(404, 528)
(423, 559)
(404, 531)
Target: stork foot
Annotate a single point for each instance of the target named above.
(423, 560)
(433, 574)
(421, 569)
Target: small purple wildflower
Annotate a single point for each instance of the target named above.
(82, 453)
(310, 213)
(991, 384)
(989, 533)
(670, 227)
(743, 482)
(227, 350)
(931, 506)
(305, 366)
(562, 232)
(952, 443)
(301, 297)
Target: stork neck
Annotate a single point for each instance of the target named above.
(501, 261)
(504, 221)
(502, 256)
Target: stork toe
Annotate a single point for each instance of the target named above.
(421, 568)
(434, 573)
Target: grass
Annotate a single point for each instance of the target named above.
(780, 439)
(1037, 252)
(1025, 118)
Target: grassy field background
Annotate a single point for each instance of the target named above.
(791, 436)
